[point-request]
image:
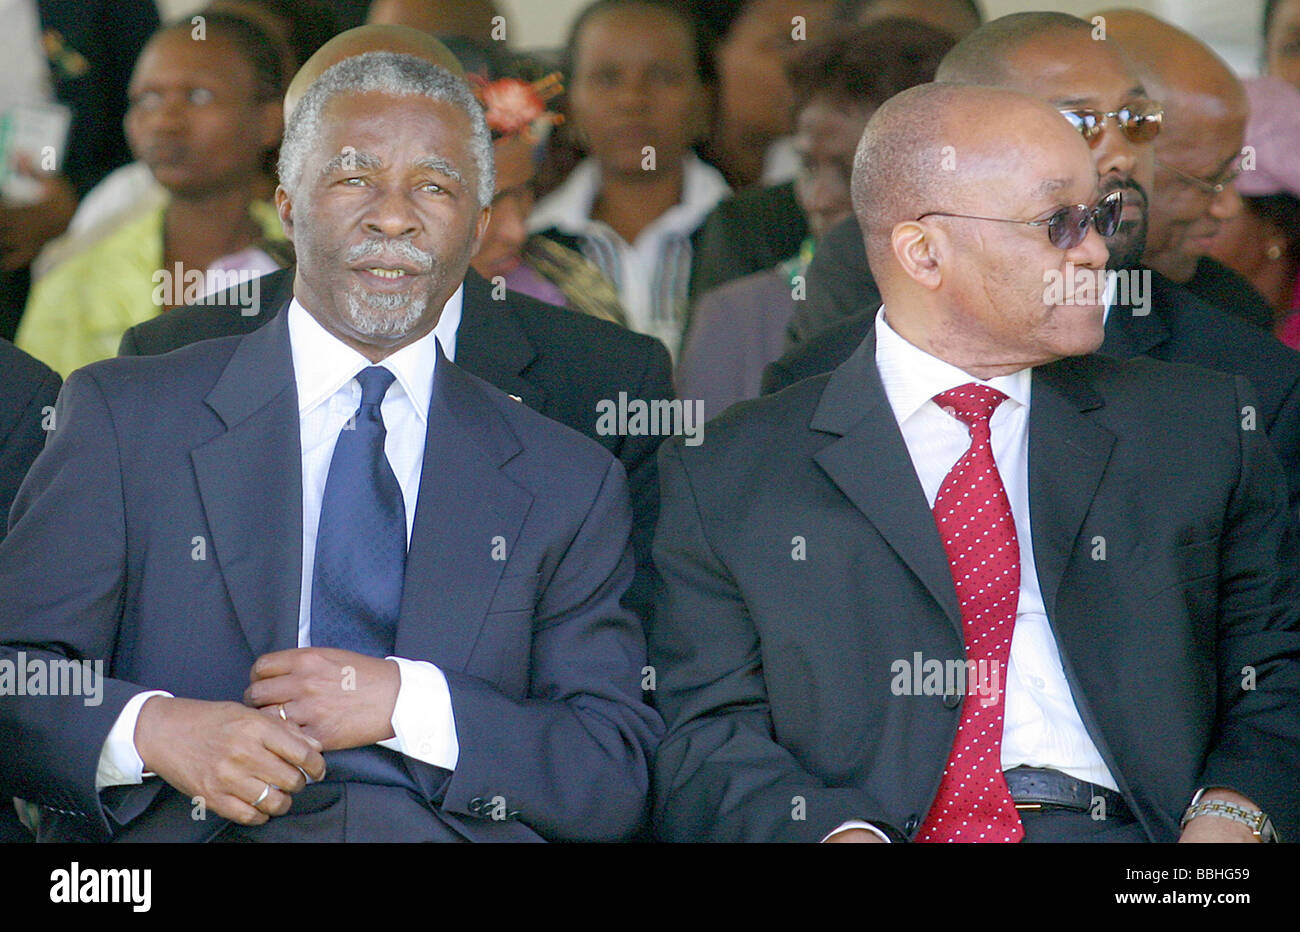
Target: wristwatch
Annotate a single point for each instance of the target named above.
(1260, 825)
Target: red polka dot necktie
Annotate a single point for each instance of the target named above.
(974, 518)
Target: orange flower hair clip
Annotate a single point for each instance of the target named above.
(516, 107)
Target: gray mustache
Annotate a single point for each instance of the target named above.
(390, 249)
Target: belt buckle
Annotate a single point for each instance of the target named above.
(1032, 807)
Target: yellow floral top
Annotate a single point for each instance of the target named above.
(78, 312)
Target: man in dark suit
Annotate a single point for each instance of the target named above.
(968, 586)
(1053, 56)
(28, 390)
(1198, 154)
(402, 572)
(557, 362)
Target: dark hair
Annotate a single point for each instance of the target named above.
(869, 65)
(849, 10)
(1282, 210)
(262, 51)
(702, 37)
(563, 151)
(311, 24)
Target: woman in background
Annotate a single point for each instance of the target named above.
(299, 27)
(739, 327)
(750, 141)
(205, 116)
(527, 262)
(1262, 241)
(638, 102)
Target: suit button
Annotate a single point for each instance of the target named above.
(952, 700)
(912, 824)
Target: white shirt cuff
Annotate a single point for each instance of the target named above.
(423, 723)
(119, 761)
(854, 823)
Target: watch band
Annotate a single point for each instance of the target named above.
(1256, 820)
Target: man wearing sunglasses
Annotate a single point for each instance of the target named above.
(979, 583)
(1198, 156)
(1056, 58)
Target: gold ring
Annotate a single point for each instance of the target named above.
(283, 717)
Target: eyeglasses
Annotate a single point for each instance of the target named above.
(1139, 123)
(1206, 187)
(1068, 227)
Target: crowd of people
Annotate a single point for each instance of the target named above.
(354, 425)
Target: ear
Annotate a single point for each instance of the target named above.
(480, 229)
(918, 248)
(284, 207)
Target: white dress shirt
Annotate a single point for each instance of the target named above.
(1041, 725)
(653, 273)
(325, 372)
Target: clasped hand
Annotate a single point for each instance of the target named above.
(246, 761)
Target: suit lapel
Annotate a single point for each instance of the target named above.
(465, 504)
(1068, 452)
(871, 466)
(250, 483)
(491, 344)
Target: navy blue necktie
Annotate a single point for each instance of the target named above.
(356, 590)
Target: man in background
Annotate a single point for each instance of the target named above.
(1198, 154)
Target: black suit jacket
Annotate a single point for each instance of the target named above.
(152, 456)
(1217, 284)
(839, 284)
(27, 389)
(559, 362)
(749, 232)
(775, 669)
(1178, 328)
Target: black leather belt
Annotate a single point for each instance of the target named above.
(1033, 789)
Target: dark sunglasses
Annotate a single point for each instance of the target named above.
(1068, 227)
(1139, 123)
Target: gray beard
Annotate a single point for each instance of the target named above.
(385, 315)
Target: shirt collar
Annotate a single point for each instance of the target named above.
(568, 207)
(323, 364)
(912, 376)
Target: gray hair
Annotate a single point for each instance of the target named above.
(387, 73)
